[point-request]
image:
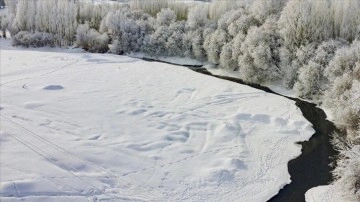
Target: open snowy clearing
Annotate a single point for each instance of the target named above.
(80, 126)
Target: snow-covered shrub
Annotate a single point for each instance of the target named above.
(91, 40)
(311, 80)
(260, 56)
(36, 39)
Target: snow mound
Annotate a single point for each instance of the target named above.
(53, 87)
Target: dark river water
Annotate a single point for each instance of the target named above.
(312, 168)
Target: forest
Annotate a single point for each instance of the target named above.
(311, 47)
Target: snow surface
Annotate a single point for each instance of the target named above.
(83, 127)
(327, 193)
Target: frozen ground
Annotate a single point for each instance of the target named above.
(81, 127)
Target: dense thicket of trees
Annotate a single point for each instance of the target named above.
(310, 46)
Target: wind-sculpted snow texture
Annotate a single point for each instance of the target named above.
(79, 127)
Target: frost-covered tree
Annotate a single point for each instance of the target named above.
(347, 171)
(292, 60)
(346, 19)
(305, 21)
(259, 59)
(11, 6)
(94, 13)
(198, 17)
(226, 56)
(262, 9)
(20, 21)
(57, 17)
(151, 7)
(195, 40)
(3, 25)
(128, 30)
(197, 22)
(344, 61)
(165, 17)
(175, 43)
(168, 40)
(236, 46)
(311, 81)
(219, 7)
(342, 97)
(214, 43)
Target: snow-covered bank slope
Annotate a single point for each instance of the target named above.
(327, 193)
(75, 126)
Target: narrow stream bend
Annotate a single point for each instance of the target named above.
(312, 167)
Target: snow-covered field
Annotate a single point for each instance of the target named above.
(81, 126)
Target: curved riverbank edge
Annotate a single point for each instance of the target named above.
(313, 167)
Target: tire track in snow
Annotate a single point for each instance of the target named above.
(43, 74)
